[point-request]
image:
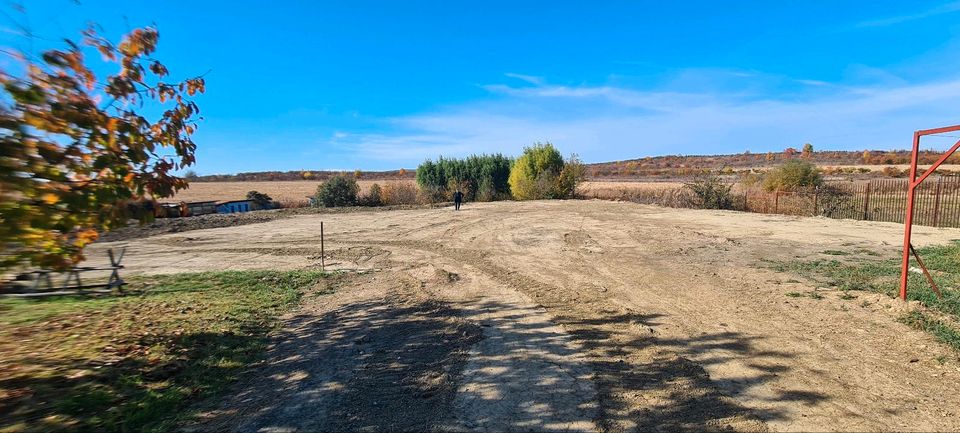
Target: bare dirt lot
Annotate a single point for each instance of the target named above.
(572, 316)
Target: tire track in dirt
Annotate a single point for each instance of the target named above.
(639, 384)
(381, 356)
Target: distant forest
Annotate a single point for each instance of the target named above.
(655, 166)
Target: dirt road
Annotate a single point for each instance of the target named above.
(574, 316)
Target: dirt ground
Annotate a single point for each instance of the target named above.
(572, 316)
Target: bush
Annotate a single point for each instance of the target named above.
(396, 193)
(541, 173)
(261, 200)
(792, 175)
(572, 174)
(710, 192)
(338, 191)
(373, 197)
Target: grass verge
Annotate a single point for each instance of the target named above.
(943, 332)
(882, 276)
(135, 362)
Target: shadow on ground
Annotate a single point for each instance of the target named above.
(397, 363)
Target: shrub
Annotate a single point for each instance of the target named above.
(396, 193)
(572, 174)
(710, 192)
(263, 201)
(893, 171)
(541, 173)
(373, 197)
(338, 191)
(290, 203)
(792, 175)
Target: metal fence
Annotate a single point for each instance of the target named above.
(937, 201)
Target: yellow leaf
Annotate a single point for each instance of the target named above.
(50, 198)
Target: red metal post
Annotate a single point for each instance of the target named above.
(908, 218)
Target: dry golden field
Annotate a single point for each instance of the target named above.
(297, 190)
(283, 191)
(614, 189)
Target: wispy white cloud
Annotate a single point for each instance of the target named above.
(528, 78)
(889, 21)
(613, 122)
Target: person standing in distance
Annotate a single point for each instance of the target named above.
(457, 199)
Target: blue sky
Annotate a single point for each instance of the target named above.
(382, 85)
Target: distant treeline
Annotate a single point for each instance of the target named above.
(318, 175)
(479, 177)
(680, 166)
(657, 166)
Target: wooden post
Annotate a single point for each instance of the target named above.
(776, 202)
(866, 202)
(815, 192)
(323, 266)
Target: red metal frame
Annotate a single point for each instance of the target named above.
(914, 182)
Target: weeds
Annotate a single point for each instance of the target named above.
(943, 332)
(835, 253)
(882, 276)
(811, 295)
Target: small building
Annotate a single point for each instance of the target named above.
(234, 206)
(195, 208)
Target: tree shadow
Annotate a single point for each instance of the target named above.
(118, 391)
(411, 365)
(657, 383)
(379, 365)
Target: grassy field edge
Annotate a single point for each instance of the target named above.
(135, 362)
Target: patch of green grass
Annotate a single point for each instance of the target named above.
(882, 276)
(835, 253)
(943, 332)
(136, 362)
(811, 295)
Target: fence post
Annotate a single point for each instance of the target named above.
(815, 193)
(936, 203)
(776, 202)
(866, 201)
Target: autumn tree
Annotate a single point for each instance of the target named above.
(78, 153)
(807, 152)
(542, 173)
